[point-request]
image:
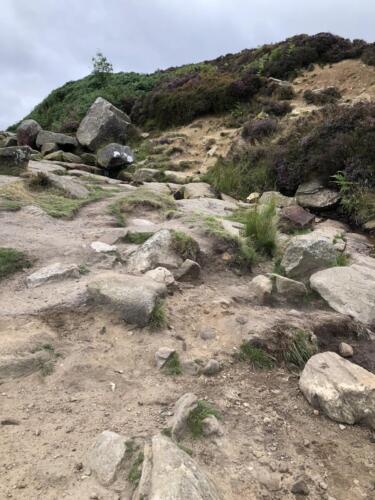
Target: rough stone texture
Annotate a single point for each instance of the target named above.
(100, 247)
(212, 427)
(177, 177)
(279, 199)
(161, 275)
(114, 155)
(171, 474)
(262, 287)
(27, 133)
(184, 406)
(346, 350)
(344, 391)
(253, 197)
(107, 457)
(295, 217)
(189, 271)
(162, 356)
(157, 251)
(65, 142)
(36, 167)
(62, 156)
(22, 365)
(291, 290)
(14, 160)
(146, 175)
(348, 290)
(72, 188)
(207, 206)
(103, 124)
(307, 254)
(54, 272)
(198, 190)
(212, 367)
(313, 194)
(49, 147)
(134, 297)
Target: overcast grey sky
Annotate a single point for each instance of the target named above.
(44, 43)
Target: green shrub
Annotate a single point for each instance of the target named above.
(255, 356)
(341, 260)
(158, 318)
(328, 95)
(300, 350)
(135, 472)
(173, 365)
(137, 238)
(261, 228)
(259, 129)
(196, 417)
(12, 261)
(368, 55)
(39, 181)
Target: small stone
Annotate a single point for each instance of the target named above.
(212, 367)
(300, 488)
(346, 350)
(162, 356)
(241, 320)
(207, 334)
(211, 426)
(342, 427)
(100, 247)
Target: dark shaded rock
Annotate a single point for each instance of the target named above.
(64, 142)
(27, 133)
(295, 217)
(14, 160)
(114, 155)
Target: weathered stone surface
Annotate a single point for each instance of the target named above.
(277, 198)
(171, 474)
(295, 217)
(349, 290)
(27, 133)
(198, 190)
(346, 350)
(89, 159)
(62, 156)
(65, 142)
(207, 206)
(291, 290)
(146, 175)
(36, 167)
(114, 155)
(100, 247)
(253, 197)
(313, 194)
(189, 271)
(71, 187)
(178, 177)
(212, 367)
(49, 147)
(344, 391)
(162, 356)
(22, 365)
(262, 287)
(161, 275)
(103, 124)
(14, 160)
(134, 297)
(107, 456)
(157, 251)
(183, 408)
(211, 427)
(307, 254)
(53, 272)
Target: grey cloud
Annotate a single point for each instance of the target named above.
(45, 43)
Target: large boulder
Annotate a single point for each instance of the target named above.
(313, 194)
(307, 254)
(157, 251)
(114, 155)
(14, 160)
(345, 392)
(183, 409)
(277, 198)
(107, 456)
(169, 473)
(27, 133)
(198, 190)
(103, 124)
(290, 290)
(64, 142)
(134, 297)
(71, 187)
(349, 290)
(295, 217)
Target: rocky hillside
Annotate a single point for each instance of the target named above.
(178, 303)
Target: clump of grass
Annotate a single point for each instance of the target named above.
(341, 260)
(261, 227)
(115, 209)
(278, 268)
(83, 269)
(39, 181)
(196, 417)
(167, 431)
(135, 472)
(300, 351)
(46, 368)
(173, 365)
(158, 318)
(9, 205)
(256, 357)
(12, 261)
(184, 245)
(137, 238)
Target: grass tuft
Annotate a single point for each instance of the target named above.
(12, 261)
(341, 260)
(158, 318)
(135, 472)
(184, 245)
(173, 365)
(261, 227)
(300, 351)
(137, 238)
(256, 357)
(196, 417)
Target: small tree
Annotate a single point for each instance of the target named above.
(101, 65)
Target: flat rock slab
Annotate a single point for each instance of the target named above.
(344, 391)
(348, 290)
(71, 187)
(171, 474)
(44, 167)
(313, 194)
(198, 190)
(278, 199)
(133, 296)
(54, 272)
(207, 206)
(5, 180)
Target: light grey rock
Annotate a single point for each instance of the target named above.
(114, 155)
(289, 289)
(207, 206)
(177, 177)
(27, 133)
(183, 408)
(65, 142)
(262, 287)
(161, 275)
(313, 194)
(212, 367)
(42, 167)
(71, 187)
(48, 148)
(211, 427)
(103, 124)
(189, 271)
(53, 272)
(346, 350)
(171, 474)
(134, 297)
(198, 190)
(14, 160)
(22, 365)
(62, 156)
(157, 251)
(100, 247)
(163, 355)
(146, 175)
(307, 254)
(344, 391)
(349, 290)
(277, 198)
(107, 456)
